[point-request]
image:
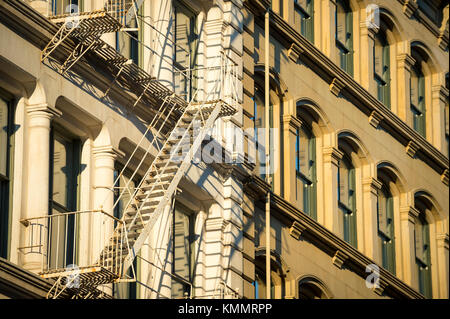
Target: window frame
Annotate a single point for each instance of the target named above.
(387, 235)
(423, 265)
(345, 50)
(349, 226)
(310, 200)
(306, 23)
(6, 180)
(418, 111)
(383, 81)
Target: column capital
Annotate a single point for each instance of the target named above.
(405, 60)
(442, 240)
(332, 154)
(42, 110)
(369, 29)
(106, 152)
(440, 92)
(291, 122)
(409, 213)
(373, 183)
(444, 177)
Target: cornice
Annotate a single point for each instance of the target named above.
(342, 253)
(352, 90)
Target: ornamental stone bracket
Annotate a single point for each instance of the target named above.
(443, 39)
(294, 52)
(375, 118)
(409, 8)
(339, 259)
(380, 287)
(444, 177)
(405, 61)
(296, 230)
(412, 148)
(336, 86)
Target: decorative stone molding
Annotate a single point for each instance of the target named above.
(294, 52)
(442, 240)
(409, 213)
(444, 177)
(412, 148)
(369, 29)
(439, 92)
(379, 289)
(333, 155)
(214, 224)
(336, 86)
(375, 118)
(409, 7)
(292, 123)
(339, 259)
(373, 183)
(42, 110)
(405, 60)
(296, 230)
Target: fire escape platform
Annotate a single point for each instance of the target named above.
(96, 273)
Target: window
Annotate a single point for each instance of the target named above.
(309, 289)
(347, 200)
(344, 35)
(305, 167)
(304, 18)
(183, 250)
(124, 290)
(418, 98)
(6, 123)
(422, 245)
(186, 45)
(381, 67)
(385, 207)
(433, 10)
(62, 6)
(127, 42)
(64, 173)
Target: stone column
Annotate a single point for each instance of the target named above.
(103, 199)
(404, 64)
(442, 252)
(161, 257)
(290, 126)
(408, 216)
(38, 167)
(161, 66)
(439, 98)
(367, 32)
(370, 198)
(330, 217)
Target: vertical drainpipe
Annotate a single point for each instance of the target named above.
(267, 148)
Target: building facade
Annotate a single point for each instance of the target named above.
(358, 148)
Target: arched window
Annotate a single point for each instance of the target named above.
(422, 248)
(305, 167)
(381, 65)
(304, 18)
(277, 282)
(311, 288)
(344, 35)
(385, 207)
(347, 200)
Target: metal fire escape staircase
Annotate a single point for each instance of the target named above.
(175, 134)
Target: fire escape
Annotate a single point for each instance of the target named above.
(176, 133)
